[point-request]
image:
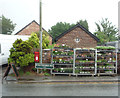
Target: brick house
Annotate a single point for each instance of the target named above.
(77, 37)
(32, 27)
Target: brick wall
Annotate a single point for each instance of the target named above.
(46, 57)
(86, 41)
(32, 27)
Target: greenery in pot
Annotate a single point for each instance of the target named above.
(71, 61)
(55, 52)
(70, 70)
(70, 53)
(55, 61)
(98, 61)
(59, 69)
(66, 62)
(63, 53)
(105, 47)
(55, 70)
(61, 61)
(77, 71)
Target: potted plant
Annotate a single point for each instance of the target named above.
(61, 61)
(55, 70)
(59, 70)
(55, 52)
(70, 70)
(77, 71)
(63, 53)
(70, 53)
(71, 61)
(54, 61)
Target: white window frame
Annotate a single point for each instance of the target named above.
(77, 40)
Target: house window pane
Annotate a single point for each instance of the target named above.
(77, 40)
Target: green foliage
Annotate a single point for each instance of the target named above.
(27, 73)
(105, 47)
(7, 25)
(106, 31)
(77, 71)
(21, 54)
(51, 46)
(34, 40)
(34, 69)
(59, 28)
(102, 37)
(20, 71)
(45, 39)
(46, 74)
(84, 23)
(44, 70)
(26, 59)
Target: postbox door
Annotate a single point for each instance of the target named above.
(36, 57)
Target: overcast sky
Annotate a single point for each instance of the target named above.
(23, 12)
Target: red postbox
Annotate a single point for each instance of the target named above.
(36, 58)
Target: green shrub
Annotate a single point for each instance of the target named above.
(45, 39)
(20, 72)
(34, 69)
(46, 74)
(27, 73)
(21, 53)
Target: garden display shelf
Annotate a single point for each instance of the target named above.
(63, 55)
(63, 60)
(84, 62)
(106, 62)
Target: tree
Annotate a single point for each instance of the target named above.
(106, 32)
(102, 37)
(21, 53)
(7, 25)
(34, 40)
(84, 23)
(45, 39)
(59, 28)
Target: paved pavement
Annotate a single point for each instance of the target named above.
(47, 79)
(97, 86)
(56, 79)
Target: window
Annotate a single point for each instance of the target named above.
(77, 40)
